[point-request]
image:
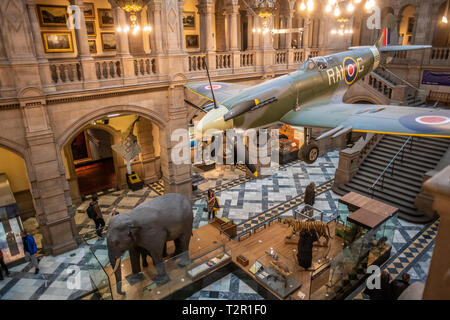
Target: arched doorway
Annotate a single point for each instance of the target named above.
(93, 161)
(104, 171)
(407, 24)
(17, 210)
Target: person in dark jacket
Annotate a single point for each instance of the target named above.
(398, 286)
(310, 198)
(384, 292)
(30, 250)
(98, 219)
(3, 266)
(305, 246)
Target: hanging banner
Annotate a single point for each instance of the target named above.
(436, 78)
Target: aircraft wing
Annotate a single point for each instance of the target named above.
(373, 118)
(222, 90)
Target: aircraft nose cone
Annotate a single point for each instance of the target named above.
(213, 121)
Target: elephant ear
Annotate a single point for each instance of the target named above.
(134, 231)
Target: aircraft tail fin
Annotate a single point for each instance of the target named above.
(382, 43)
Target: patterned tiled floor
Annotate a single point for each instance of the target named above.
(241, 200)
(412, 255)
(230, 287)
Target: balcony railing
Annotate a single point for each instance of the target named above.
(281, 57)
(108, 69)
(442, 54)
(144, 66)
(223, 60)
(248, 59)
(66, 72)
(196, 62)
(299, 55)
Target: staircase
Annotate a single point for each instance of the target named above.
(401, 188)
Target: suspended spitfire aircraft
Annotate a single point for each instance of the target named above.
(312, 97)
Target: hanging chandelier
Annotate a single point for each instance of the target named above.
(264, 9)
(132, 7)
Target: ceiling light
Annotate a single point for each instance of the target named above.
(444, 19)
(302, 6)
(328, 8)
(337, 12)
(350, 7)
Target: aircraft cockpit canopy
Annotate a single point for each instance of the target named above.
(318, 63)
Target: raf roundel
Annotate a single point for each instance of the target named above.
(432, 120)
(215, 87)
(350, 70)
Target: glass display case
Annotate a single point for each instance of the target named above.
(275, 271)
(349, 268)
(142, 286)
(11, 224)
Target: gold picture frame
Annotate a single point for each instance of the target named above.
(89, 10)
(105, 18)
(57, 41)
(90, 29)
(92, 46)
(108, 41)
(52, 16)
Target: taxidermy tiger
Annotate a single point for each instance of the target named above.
(320, 227)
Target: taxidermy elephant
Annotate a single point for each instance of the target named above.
(147, 228)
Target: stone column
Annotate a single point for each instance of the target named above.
(122, 37)
(49, 186)
(87, 63)
(176, 177)
(149, 169)
(154, 16)
(72, 178)
(250, 34)
(232, 26)
(438, 280)
(206, 10)
(257, 35)
(288, 37)
(44, 66)
(81, 33)
(19, 46)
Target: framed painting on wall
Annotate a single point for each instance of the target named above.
(80, 148)
(90, 28)
(192, 41)
(57, 42)
(189, 20)
(105, 18)
(52, 16)
(92, 46)
(108, 41)
(89, 12)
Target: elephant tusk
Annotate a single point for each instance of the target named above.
(117, 265)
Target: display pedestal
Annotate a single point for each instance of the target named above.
(134, 182)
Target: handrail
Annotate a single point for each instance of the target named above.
(381, 176)
(399, 78)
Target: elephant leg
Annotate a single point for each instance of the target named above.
(143, 254)
(182, 249)
(156, 248)
(135, 260)
(165, 255)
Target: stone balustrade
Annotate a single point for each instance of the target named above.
(66, 72)
(442, 54)
(299, 55)
(248, 59)
(281, 57)
(144, 66)
(108, 69)
(350, 159)
(383, 86)
(224, 61)
(196, 62)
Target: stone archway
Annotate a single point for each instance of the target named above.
(151, 135)
(69, 164)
